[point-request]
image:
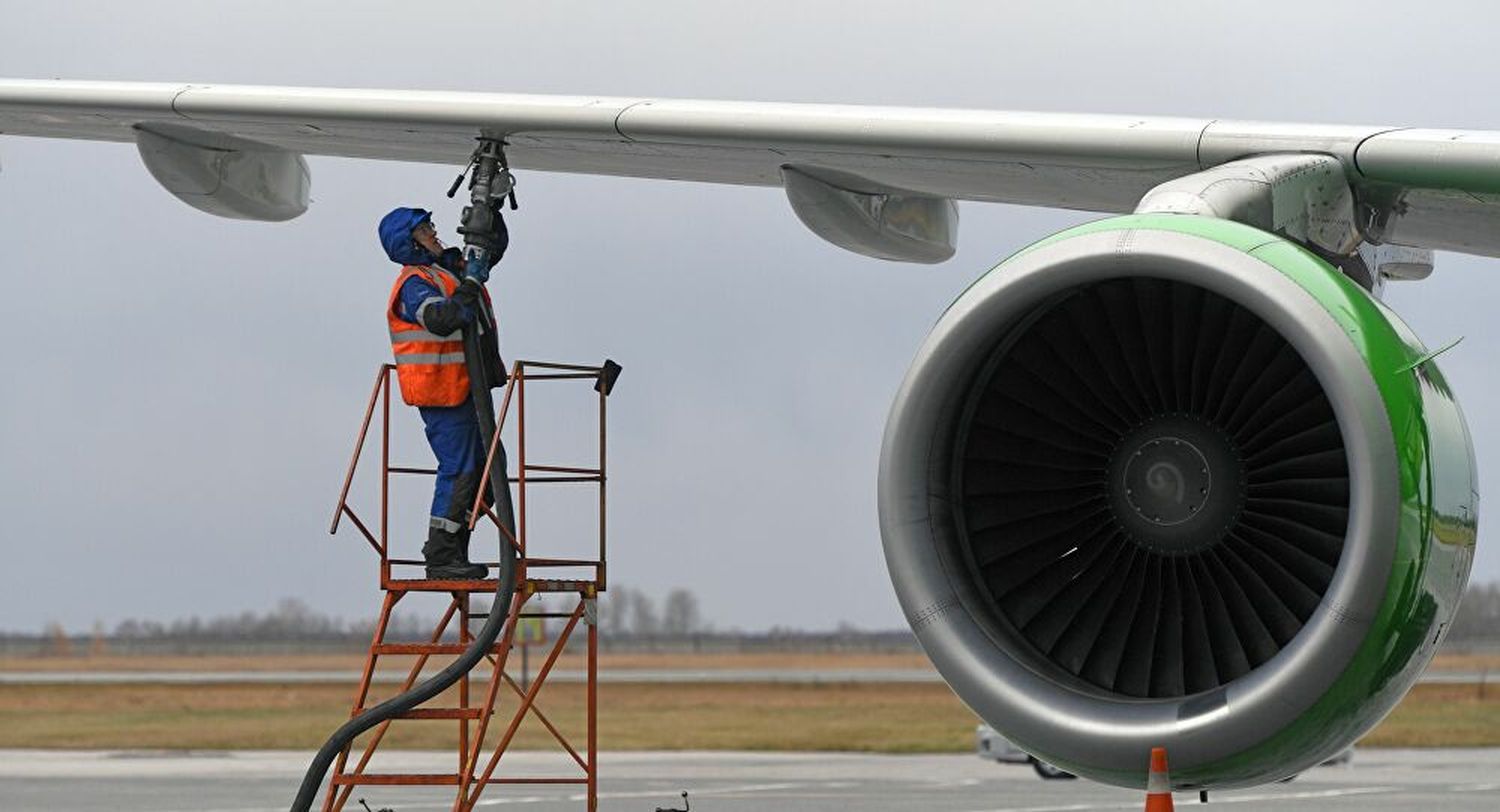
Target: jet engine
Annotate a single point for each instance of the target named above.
(1170, 480)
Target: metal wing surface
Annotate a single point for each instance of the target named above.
(1432, 188)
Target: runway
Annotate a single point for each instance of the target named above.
(636, 675)
(47, 781)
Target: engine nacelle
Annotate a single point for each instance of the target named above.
(1168, 480)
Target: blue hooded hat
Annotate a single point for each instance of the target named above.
(395, 236)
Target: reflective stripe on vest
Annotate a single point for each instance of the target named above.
(409, 358)
(423, 335)
(430, 368)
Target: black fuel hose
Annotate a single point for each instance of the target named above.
(505, 588)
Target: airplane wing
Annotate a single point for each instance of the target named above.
(236, 151)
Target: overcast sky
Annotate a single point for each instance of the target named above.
(181, 391)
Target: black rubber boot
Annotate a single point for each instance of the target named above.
(463, 554)
(444, 558)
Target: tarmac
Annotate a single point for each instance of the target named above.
(1376, 780)
(639, 675)
(351, 678)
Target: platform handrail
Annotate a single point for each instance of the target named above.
(382, 377)
(565, 474)
(512, 407)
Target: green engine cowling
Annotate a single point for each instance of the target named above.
(1165, 480)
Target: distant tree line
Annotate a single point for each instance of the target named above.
(1478, 618)
(627, 612)
(291, 619)
(629, 619)
(291, 627)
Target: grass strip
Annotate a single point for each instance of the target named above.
(889, 718)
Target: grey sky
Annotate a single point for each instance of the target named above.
(181, 391)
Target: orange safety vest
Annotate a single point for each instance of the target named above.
(429, 368)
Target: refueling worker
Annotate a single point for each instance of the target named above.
(433, 299)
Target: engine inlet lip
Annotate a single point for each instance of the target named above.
(1025, 696)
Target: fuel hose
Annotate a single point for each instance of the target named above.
(484, 639)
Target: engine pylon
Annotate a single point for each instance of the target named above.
(1159, 783)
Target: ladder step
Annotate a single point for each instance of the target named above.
(484, 586)
(440, 779)
(410, 779)
(434, 585)
(555, 615)
(434, 713)
(428, 648)
(558, 585)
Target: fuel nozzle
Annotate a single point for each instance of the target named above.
(490, 183)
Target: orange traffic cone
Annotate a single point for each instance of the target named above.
(1158, 784)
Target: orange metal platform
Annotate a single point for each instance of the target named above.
(473, 713)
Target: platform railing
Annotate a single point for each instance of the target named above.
(528, 474)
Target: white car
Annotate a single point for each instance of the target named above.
(992, 745)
